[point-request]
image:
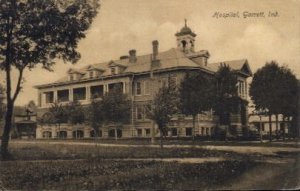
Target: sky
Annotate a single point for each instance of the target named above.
(122, 25)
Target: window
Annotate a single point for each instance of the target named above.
(207, 131)
(239, 87)
(139, 113)
(242, 86)
(138, 88)
(91, 74)
(189, 131)
(147, 132)
(113, 71)
(174, 131)
(202, 130)
(49, 97)
(96, 91)
(63, 95)
(139, 132)
(147, 87)
(172, 82)
(263, 127)
(115, 86)
(246, 89)
(79, 93)
(183, 42)
(71, 77)
(77, 134)
(47, 134)
(62, 134)
(164, 82)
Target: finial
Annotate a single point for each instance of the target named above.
(185, 23)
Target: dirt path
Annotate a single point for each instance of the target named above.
(268, 176)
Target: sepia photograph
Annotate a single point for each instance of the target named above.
(149, 95)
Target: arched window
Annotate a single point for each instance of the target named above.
(62, 134)
(93, 133)
(47, 134)
(192, 44)
(183, 44)
(111, 133)
(78, 134)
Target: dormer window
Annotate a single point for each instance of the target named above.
(115, 68)
(71, 77)
(75, 74)
(113, 71)
(91, 74)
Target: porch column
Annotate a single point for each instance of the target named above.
(71, 94)
(53, 132)
(86, 133)
(124, 87)
(88, 92)
(55, 95)
(69, 134)
(105, 88)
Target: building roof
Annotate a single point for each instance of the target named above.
(186, 31)
(237, 65)
(170, 59)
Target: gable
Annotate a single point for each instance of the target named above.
(246, 69)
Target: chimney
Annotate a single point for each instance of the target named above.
(132, 56)
(124, 57)
(155, 49)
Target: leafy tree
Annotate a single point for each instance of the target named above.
(95, 115)
(288, 94)
(47, 119)
(160, 110)
(225, 99)
(32, 106)
(59, 114)
(275, 89)
(35, 32)
(196, 92)
(75, 112)
(116, 108)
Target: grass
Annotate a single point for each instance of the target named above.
(182, 141)
(111, 174)
(54, 152)
(78, 167)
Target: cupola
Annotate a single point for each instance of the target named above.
(186, 39)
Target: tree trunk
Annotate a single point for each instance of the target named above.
(260, 128)
(6, 131)
(277, 131)
(161, 140)
(153, 133)
(283, 121)
(289, 128)
(270, 127)
(161, 137)
(194, 124)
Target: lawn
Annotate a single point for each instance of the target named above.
(81, 167)
(182, 141)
